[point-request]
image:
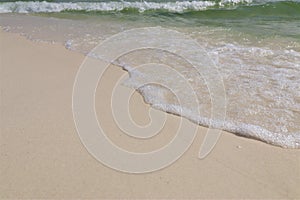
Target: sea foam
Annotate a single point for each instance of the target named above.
(49, 7)
(141, 6)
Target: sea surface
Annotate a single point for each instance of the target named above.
(252, 45)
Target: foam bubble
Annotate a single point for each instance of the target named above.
(48, 7)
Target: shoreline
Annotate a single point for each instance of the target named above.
(43, 157)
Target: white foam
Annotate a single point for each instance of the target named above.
(262, 92)
(154, 96)
(141, 6)
(49, 7)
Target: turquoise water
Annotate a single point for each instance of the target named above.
(254, 44)
(264, 18)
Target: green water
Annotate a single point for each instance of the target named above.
(263, 20)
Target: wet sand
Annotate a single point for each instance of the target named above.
(43, 157)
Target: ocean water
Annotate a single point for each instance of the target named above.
(253, 44)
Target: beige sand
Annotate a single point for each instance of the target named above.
(41, 155)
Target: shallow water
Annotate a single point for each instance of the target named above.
(254, 46)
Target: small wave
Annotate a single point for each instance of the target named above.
(141, 6)
(270, 115)
(49, 7)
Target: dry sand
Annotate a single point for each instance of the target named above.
(43, 157)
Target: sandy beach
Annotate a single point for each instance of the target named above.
(41, 155)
